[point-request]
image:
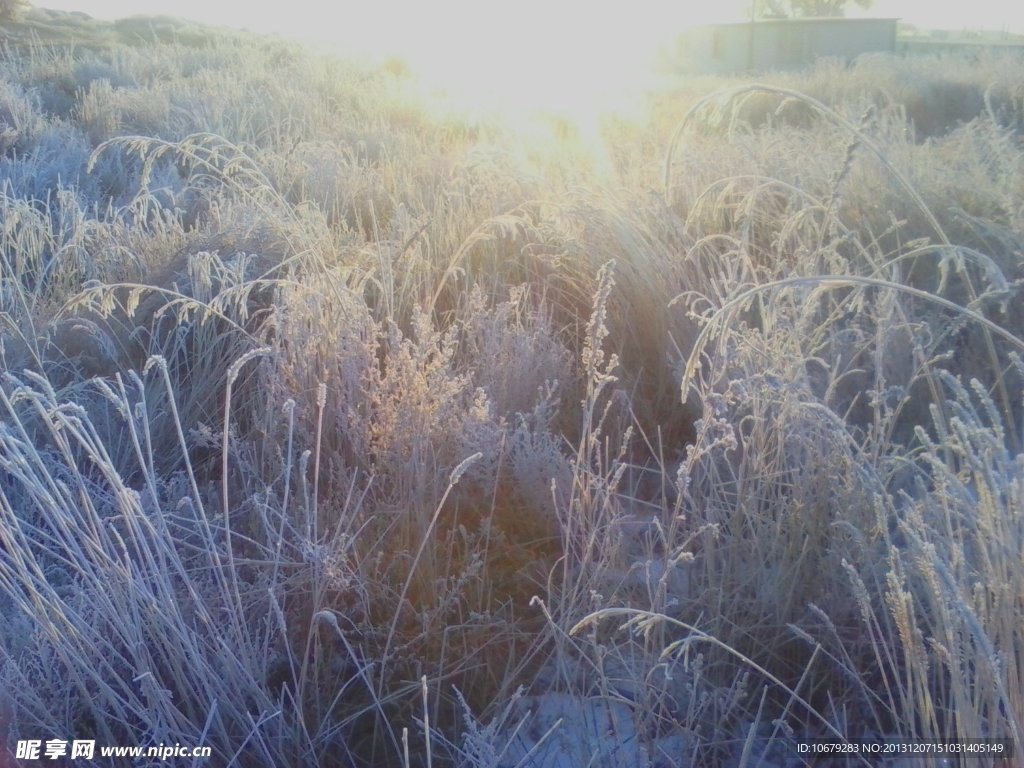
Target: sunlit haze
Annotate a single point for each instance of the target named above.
(540, 51)
(559, 55)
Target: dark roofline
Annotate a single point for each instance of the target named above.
(799, 20)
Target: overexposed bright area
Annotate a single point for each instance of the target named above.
(533, 53)
(560, 56)
(993, 15)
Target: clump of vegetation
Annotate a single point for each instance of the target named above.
(11, 10)
(337, 431)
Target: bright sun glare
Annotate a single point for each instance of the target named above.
(561, 57)
(534, 58)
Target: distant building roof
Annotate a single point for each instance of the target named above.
(790, 43)
(802, 20)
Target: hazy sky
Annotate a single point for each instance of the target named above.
(536, 51)
(376, 20)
